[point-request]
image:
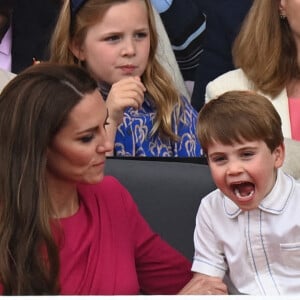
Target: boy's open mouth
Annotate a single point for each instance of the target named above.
(243, 190)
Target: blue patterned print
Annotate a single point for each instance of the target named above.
(134, 138)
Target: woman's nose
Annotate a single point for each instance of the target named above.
(105, 145)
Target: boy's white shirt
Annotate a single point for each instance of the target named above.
(261, 247)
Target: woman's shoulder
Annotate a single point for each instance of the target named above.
(186, 105)
(109, 190)
(292, 156)
(107, 184)
(231, 80)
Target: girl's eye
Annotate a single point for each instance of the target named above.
(87, 138)
(112, 38)
(140, 35)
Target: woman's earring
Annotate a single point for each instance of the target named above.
(282, 16)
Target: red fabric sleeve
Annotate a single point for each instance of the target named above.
(161, 269)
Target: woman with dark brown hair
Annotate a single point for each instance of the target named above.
(65, 228)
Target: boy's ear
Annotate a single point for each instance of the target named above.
(75, 48)
(279, 154)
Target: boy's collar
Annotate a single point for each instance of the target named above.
(274, 203)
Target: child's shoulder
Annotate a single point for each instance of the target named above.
(213, 200)
(186, 105)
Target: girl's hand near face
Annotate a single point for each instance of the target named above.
(128, 92)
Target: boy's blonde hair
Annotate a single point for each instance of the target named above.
(72, 28)
(236, 116)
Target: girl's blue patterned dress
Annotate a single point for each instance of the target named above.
(133, 137)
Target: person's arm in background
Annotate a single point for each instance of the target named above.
(185, 25)
(5, 34)
(224, 18)
(5, 16)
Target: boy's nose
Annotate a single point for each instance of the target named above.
(234, 168)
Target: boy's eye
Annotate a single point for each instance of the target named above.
(218, 159)
(86, 138)
(247, 154)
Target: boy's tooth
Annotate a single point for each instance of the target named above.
(237, 193)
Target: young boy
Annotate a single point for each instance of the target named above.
(248, 228)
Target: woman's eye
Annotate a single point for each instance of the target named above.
(86, 138)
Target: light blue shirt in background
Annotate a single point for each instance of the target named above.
(161, 5)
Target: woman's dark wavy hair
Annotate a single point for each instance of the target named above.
(34, 106)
